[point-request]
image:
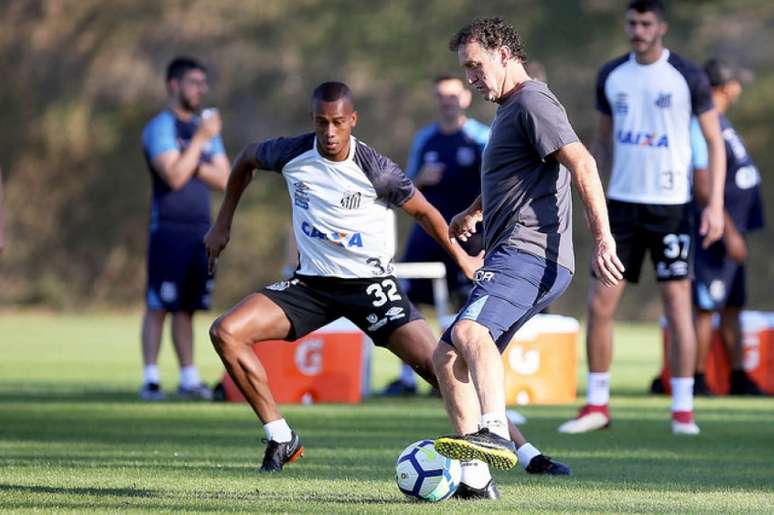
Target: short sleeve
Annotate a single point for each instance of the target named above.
(217, 146)
(159, 136)
(390, 183)
(602, 104)
(545, 123)
(698, 84)
(274, 154)
(699, 152)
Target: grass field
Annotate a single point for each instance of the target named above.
(73, 438)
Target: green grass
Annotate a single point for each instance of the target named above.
(73, 438)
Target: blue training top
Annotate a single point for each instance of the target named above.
(190, 205)
(460, 153)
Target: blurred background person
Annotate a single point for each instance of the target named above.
(445, 164)
(186, 159)
(719, 285)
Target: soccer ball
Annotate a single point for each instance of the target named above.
(423, 473)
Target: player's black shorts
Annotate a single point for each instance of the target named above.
(178, 279)
(376, 305)
(720, 281)
(666, 231)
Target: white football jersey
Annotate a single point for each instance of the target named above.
(342, 217)
(651, 107)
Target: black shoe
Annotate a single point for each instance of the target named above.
(398, 388)
(277, 454)
(657, 386)
(700, 388)
(542, 464)
(741, 384)
(482, 445)
(469, 493)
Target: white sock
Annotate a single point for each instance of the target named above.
(189, 377)
(682, 393)
(475, 473)
(277, 430)
(150, 374)
(496, 423)
(598, 392)
(526, 452)
(407, 376)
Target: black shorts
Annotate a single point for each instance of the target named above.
(720, 281)
(664, 230)
(376, 305)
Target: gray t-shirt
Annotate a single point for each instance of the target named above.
(525, 191)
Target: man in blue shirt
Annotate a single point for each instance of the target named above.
(445, 164)
(186, 160)
(719, 286)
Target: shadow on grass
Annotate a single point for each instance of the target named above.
(107, 492)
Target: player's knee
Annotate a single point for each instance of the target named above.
(600, 306)
(221, 334)
(443, 358)
(467, 335)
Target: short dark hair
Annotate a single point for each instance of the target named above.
(491, 33)
(181, 65)
(331, 92)
(648, 6)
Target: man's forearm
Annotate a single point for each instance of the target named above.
(589, 187)
(238, 180)
(717, 169)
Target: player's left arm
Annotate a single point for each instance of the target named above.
(583, 169)
(712, 216)
(433, 223)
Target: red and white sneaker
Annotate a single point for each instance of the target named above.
(683, 423)
(590, 418)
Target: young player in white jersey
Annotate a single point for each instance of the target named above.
(646, 100)
(341, 191)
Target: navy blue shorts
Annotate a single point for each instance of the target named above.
(719, 285)
(178, 279)
(511, 287)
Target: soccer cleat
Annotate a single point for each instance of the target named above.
(469, 493)
(482, 445)
(590, 418)
(151, 392)
(277, 454)
(542, 464)
(683, 423)
(398, 388)
(198, 392)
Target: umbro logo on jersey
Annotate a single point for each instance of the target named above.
(664, 100)
(351, 200)
(301, 195)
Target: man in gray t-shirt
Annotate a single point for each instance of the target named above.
(525, 207)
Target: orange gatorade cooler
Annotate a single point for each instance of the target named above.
(331, 364)
(541, 361)
(757, 360)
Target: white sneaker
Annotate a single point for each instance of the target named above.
(685, 428)
(590, 418)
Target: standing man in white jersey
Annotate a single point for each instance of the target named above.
(341, 190)
(646, 100)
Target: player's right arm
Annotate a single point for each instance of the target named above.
(176, 168)
(242, 172)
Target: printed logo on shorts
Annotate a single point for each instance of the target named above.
(395, 313)
(378, 324)
(717, 290)
(372, 318)
(168, 291)
(675, 269)
(282, 285)
(483, 276)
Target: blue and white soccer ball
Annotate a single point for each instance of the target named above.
(423, 473)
